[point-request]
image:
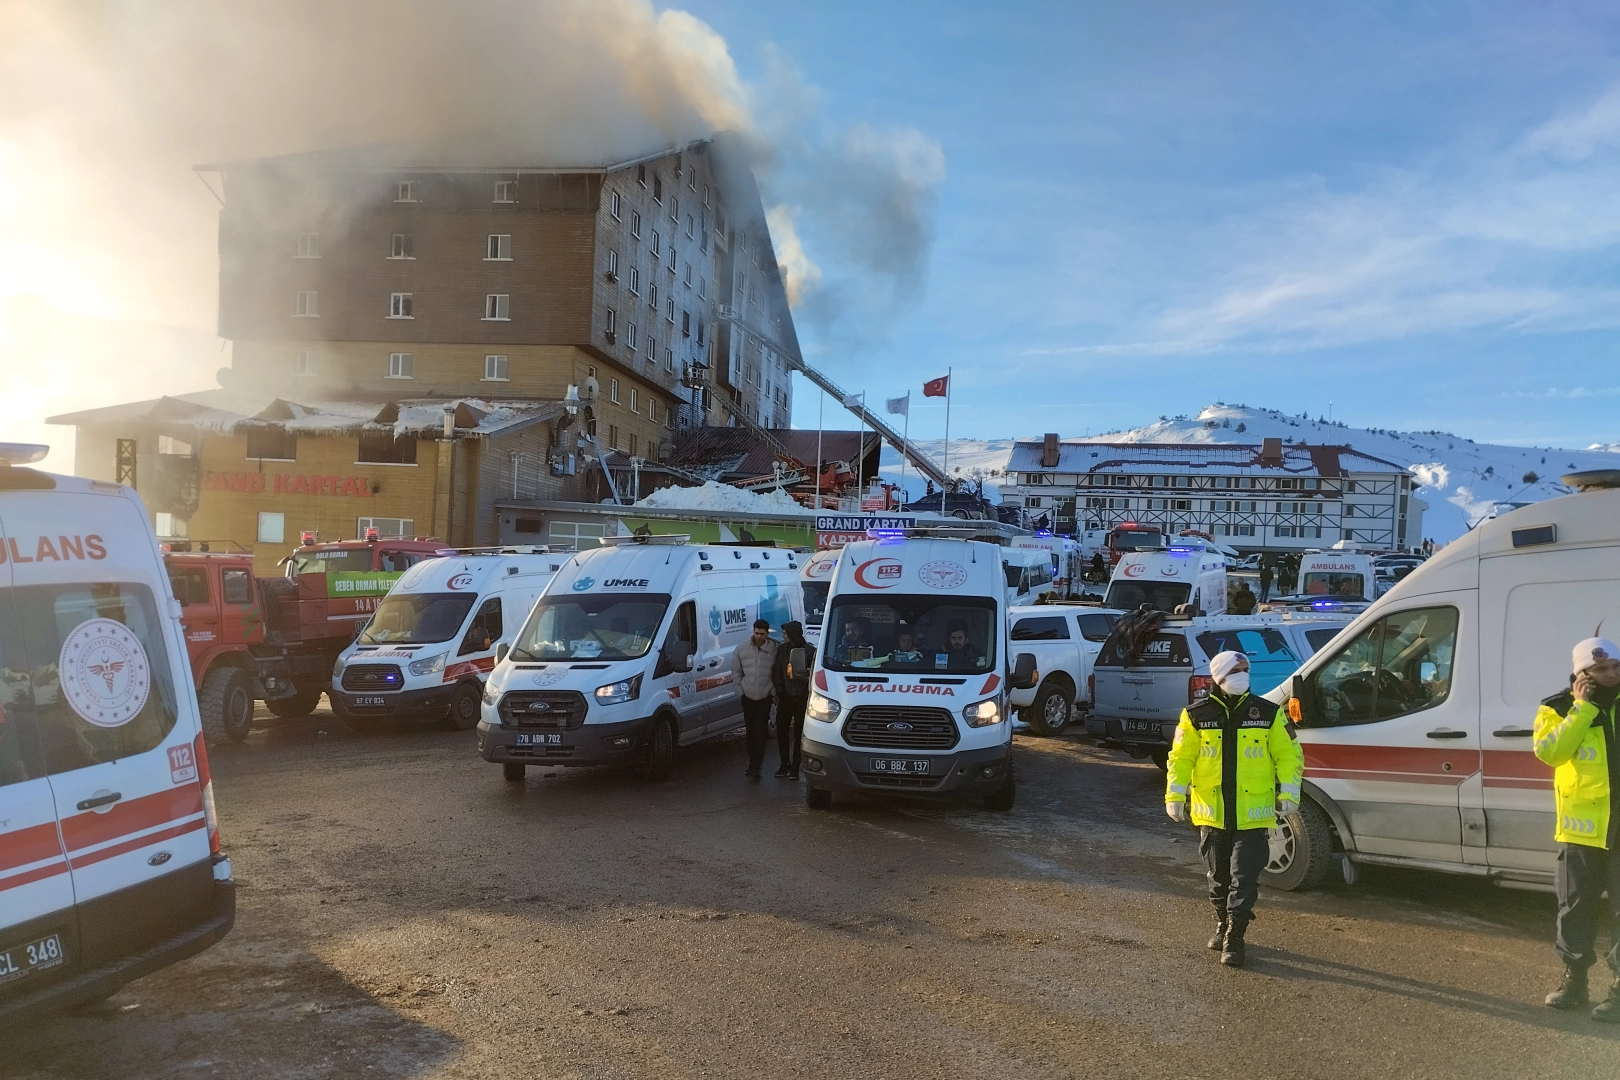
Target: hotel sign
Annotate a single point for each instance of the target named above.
(357, 487)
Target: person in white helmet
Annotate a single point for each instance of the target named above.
(1575, 734)
(1237, 761)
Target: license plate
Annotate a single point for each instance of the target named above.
(23, 960)
(903, 766)
(540, 738)
(364, 702)
(1144, 727)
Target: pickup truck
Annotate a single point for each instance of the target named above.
(1065, 641)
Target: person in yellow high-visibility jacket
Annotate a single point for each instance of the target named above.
(1575, 734)
(1237, 760)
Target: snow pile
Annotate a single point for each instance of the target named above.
(714, 495)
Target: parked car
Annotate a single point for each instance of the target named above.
(1142, 686)
(1065, 641)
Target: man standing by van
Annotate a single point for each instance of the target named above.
(1575, 733)
(1239, 763)
(751, 666)
(792, 694)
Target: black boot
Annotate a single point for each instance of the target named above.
(1571, 993)
(1232, 947)
(1608, 1010)
(1220, 934)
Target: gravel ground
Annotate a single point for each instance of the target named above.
(405, 913)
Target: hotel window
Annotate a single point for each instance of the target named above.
(170, 526)
(405, 191)
(272, 528)
(652, 295)
(690, 231)
(613, 391)
(306, 306)
(630, 336)
(658, 190)
(635, 400)
(641, 175)
(635, 224)
(266, 442)
(669, 359)
(309, 246)
(669, 311)
(686, 276)
(657, 244)
(703, 288)
(385, 448)
(675, 211)
(304, 363)
(387, 528)
(400, 366)
(635, 281)
(399, 306)
(506, 191)
(497, 307)
(613, 204)
(500, 248)
(686, 323)
(495, 368)
(613, 436)
(404, 246)
(652, 409)
(705, 194)
(612, 265)
(611, 328)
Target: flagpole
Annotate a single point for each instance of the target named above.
(943, 488)
(906, 434)
(860, 456)
(821, 408)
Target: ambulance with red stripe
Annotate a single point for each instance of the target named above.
(110, 862)
(909, 694)
(1416, 719)
(433, 640)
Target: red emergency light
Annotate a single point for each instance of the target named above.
(373, 534)
(308, 539)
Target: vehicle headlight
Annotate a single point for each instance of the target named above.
(429, 665)
(492, 693)
(624, 690)
(983, 713)
(337, 668)
(823, 708)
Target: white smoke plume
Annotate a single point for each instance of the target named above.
(106, 105)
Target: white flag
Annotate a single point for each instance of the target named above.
(900, 406)
(852, 400)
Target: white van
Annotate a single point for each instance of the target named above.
(1336, 575)
(1166, 580)
(433, 639)
(910, 684)
(1067, 565)
(815, 578)
(1416, 720)
(1028, 574)
(110, 862)
(628, 653)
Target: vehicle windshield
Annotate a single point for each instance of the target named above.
(1163, 596)
(1137, 540)
(1342, 586)
(923, 634)
(309, 561)
(815, 601)
(417, 618)
(591, 626)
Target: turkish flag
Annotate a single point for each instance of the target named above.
(936, 387)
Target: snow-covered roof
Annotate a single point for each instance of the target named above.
(223, 413)
(1296, 459)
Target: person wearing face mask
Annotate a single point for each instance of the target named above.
(1237, 761)
(1575, 733)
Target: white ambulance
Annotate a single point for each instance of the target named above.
(110, 863)
(433, 639)
(815, 578)
(1416, 719)
(628, 653)
(910, 686)
(1192, 575)
(1336, 575)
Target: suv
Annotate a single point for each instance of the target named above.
(1141, 686)
(1065, 642)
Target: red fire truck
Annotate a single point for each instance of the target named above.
(1129, 536)
(276, 639)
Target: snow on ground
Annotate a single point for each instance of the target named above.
(1462, 481)
(717, 496)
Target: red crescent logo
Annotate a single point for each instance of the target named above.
(886, 568)
(1135, 570)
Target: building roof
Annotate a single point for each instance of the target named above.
(1298, 459)
(220, 412)
(734, 451)
(468, 153)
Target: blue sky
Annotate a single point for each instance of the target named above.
(1411, 210)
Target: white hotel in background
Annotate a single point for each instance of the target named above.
(1270, 497)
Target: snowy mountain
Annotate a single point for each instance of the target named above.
(1462, 481)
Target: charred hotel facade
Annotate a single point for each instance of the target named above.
(405, 330)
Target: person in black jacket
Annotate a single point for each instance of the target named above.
(792, 692)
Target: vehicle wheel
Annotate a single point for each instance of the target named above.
(226, 702)
(660, 754)
(1048, 714)
(463, 712)
(1001, 799)
(961, 515)
(1301, 849)
(1161, 758)
(514, 771)
(300, 704)
(817, 798)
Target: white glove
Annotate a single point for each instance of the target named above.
(1286, 807)
(1177, 812)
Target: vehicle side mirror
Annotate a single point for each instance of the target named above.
(1024, 673)
(798, 660)
(500, 652)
